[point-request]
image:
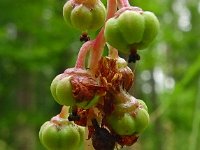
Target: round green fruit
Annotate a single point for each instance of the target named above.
(142, 105)
(141, 119)
(129, 123)
(129, 116)
(75, 88)
(131, 29)
(84, 15)
(61, 90)
(151, 29)
(54, 85)
(61, 136)
(122, 125)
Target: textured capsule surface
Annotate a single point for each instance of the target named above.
(60, 137)
(61, 90)
(84, 15)
(131, 29)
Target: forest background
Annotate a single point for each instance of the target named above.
(36, 45)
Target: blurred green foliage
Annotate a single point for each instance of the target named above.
(36, 45)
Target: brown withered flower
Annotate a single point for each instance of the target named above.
(84, 86)
(113, 77)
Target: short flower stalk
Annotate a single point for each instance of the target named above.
(94, 97)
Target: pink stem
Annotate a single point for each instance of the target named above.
(62, 115)
(97, 51)
(123, 3)
(80, 62)
(64, 112)
(100, 40)
(112, 8)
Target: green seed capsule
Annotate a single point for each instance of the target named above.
(129, 116)
(76, 87)
(131, 26)
(131, 29)
(143, 105)
(64, 92)
(113, 35)
(61, 90)
(81, 12)
(55, 136)
(122, 125)
(151, 29)
(141, 119)
(84, 15)
(54, 85)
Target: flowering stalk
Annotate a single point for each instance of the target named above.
(100, 40)
(64, 112)
(80, 62)
(123, 3)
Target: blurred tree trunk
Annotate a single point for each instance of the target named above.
(24, 135)
(25, 91)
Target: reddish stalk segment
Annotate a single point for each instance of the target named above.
(100, 40)
(123, 3)
(64, 112)
(58, 119)
(80, 62)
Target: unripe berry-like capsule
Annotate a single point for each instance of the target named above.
(122, 125)
(84, 14)
(76, 87)
(129, 116)
(131, 29)
(142, 120)
(61, 135)
(61, 90)
(130, 123)
(150, 31)
(142, 104)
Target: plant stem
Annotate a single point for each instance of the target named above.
(112, 8)
(123, 3)
(64, 112)
(97, 51)
(80, 62)
(99, 42)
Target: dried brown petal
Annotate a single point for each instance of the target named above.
(127, 77)
(109, 74)
(82, 113)
(127, 140)
(84, 86)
